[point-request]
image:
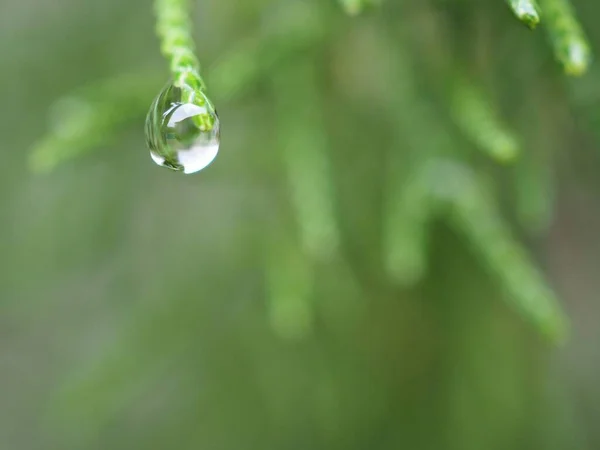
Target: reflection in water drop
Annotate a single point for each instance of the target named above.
(182, 130)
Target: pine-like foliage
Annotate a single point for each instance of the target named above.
(353, 270)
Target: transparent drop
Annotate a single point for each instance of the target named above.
(182, 130)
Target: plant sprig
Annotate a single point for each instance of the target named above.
(471, 210)
(527, 11)
(570, 44)
(91, 117)
(478, 119)
(174, 29)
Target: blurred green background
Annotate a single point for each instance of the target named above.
(262, 303)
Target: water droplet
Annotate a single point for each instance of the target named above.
(182, 129)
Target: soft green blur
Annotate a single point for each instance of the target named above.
(368, 264)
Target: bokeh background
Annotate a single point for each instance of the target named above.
(250, 306)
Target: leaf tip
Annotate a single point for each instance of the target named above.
(577, 58)
(527, 12)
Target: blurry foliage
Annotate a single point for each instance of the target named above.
(339, 285)
(102, 109)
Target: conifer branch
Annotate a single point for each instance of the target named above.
(304, 148)
(472, 212)
(570, 44)
(474, 114)
(242, 66)
(408, 210)
(526, 11)
(174, 29)
(91, 117)
(95, 114)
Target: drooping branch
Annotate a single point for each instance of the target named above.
(526, 11)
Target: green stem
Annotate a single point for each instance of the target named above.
(477, 118)
(174, 29)
(305, 155)
(570, 43)
(91, 117)
(526, 11)
(473, 213)
(408, 211)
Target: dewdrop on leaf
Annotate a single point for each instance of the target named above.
(182, 130)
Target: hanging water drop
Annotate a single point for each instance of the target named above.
(182, 129)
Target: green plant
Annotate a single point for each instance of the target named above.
(91, 117)
(336, 279)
